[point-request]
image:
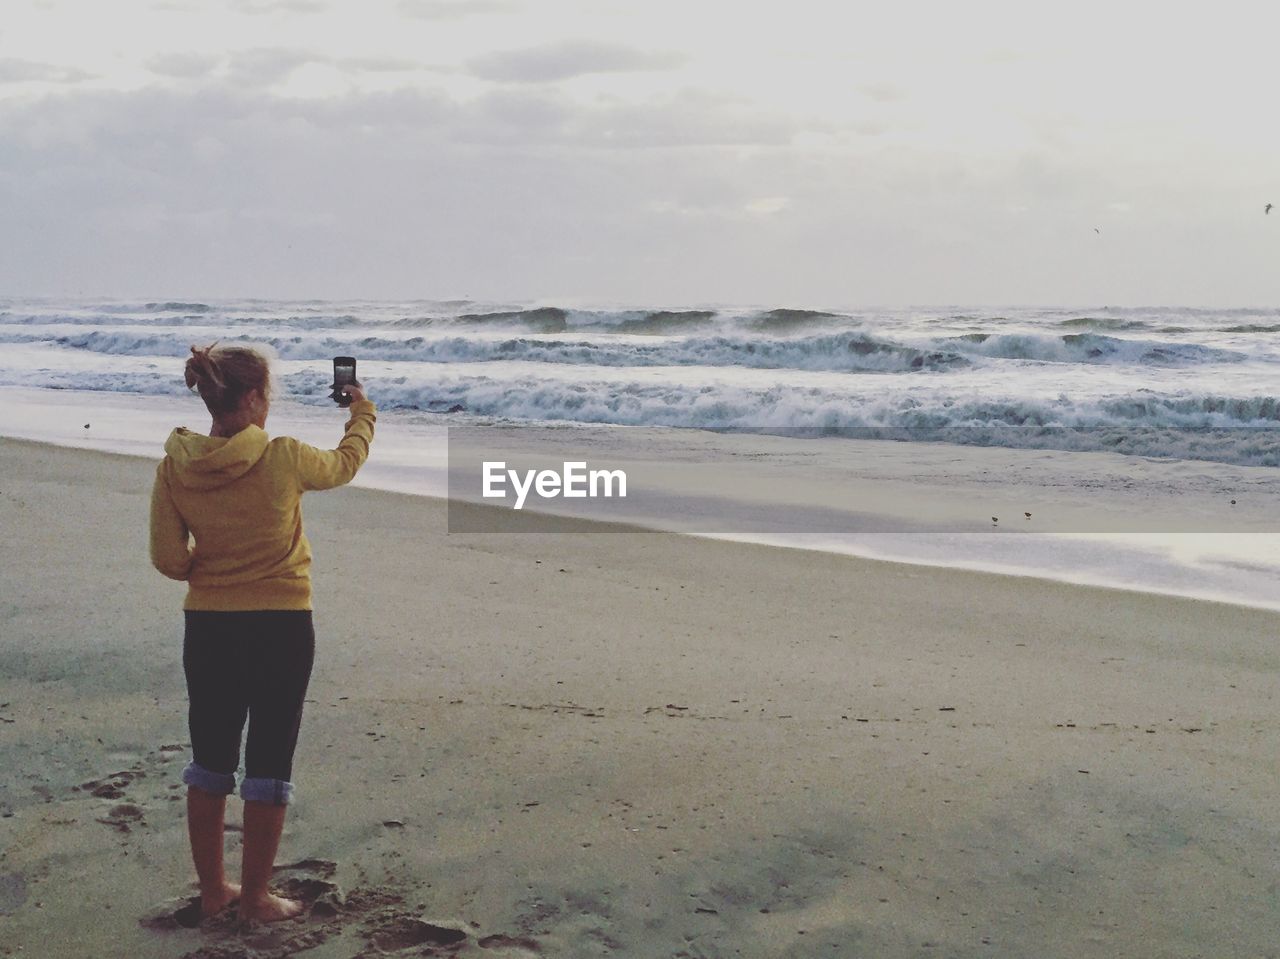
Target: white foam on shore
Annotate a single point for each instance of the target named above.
(803, 482)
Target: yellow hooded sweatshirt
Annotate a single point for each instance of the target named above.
(240, 497)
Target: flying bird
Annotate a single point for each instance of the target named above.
(1097, 231)
(1267, 208)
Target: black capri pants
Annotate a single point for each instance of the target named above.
(242, 665)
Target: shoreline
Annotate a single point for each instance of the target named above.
(1164, 528)
(643, 742)
(543, 522)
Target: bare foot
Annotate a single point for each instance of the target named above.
(270, 909)
(213, 903)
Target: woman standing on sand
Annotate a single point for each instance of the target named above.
(249, 641)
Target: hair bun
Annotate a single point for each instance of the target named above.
(202, 371)
(224, 375)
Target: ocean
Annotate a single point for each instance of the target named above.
(1177, 406)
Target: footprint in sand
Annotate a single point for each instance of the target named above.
(395, 931)
(511, 947)
(402, 932)
(123, 816)
(114, 785)
(309, 880)
(173, 914)
(111, 786)
(324, 868)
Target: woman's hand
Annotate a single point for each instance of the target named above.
(355, 391)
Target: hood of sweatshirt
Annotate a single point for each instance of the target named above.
(206, 462)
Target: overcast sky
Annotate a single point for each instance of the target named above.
(656, 153)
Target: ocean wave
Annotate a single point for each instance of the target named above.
(1252, 328)
(1194, 411)
(1089, 348)
(847, 350)
(1242, 430)
(1103, 323)
(319, 322)
(851, 351)
(667, 321)
(665, 404)
(780, 320)
(554, 319)
(177, 307)
(546, 319)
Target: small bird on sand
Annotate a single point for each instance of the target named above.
(994, 520)
(1027, 515)
(86, 425)
(1267, 208)
(1097, 231)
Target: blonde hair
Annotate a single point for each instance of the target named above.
(224, 375)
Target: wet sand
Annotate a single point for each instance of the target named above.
(572, 744)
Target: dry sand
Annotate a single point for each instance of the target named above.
(640, 744)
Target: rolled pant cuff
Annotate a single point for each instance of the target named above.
(219, 784)
(277, 792)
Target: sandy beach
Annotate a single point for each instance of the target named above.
(639, 744)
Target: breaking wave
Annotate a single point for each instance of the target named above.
(845, 350)
(1027, 372)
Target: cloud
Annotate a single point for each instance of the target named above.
(269, 66)
(734, 210)
(882, 92)
(496, 185)
(222, 189)
(569, 58)
(384, 65)
(29, 71)
(767, 205)
(690, 118)
(280, 6)
(505, 120)
(543, 117)
(266, 66)
(454, 9)
(182, 65)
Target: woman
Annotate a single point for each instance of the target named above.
(249, 641)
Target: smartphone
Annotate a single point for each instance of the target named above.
(344, 374)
